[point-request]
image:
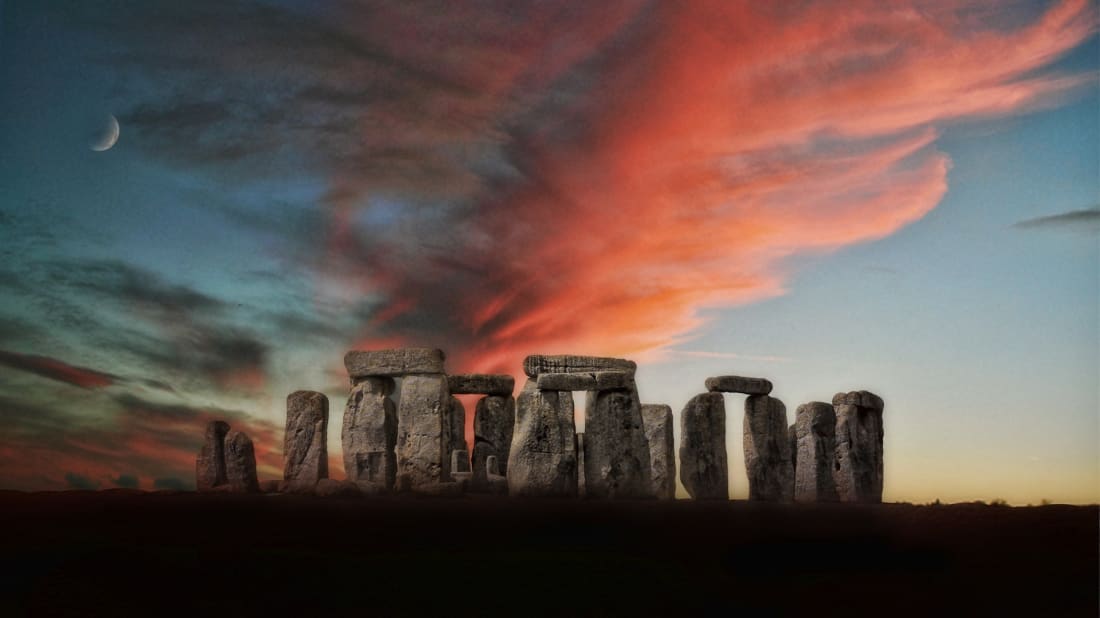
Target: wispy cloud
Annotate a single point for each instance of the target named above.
(1084, 220)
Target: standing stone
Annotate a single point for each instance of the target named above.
(858, 468)
(662, 457)
(369, 434)
(456, 430)
(815, 426)
(616, 452)
(542, 460)
(792, 437)
(393, 363)
(704, 468)
(460, 466)
(305, 444)
(494, 419)
(421, 433)
(581, 487)
(210, 464)
(240, 463)
(767, 450)
(497, 483)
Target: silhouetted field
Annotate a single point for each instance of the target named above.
(128, 553)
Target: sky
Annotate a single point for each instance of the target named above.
(899, 197)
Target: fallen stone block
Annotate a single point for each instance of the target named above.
(240, 463)
(537, 364)
(616, 452)
(704, 467)
(305, 444)
(542, 460)
(500, 385)
(815, 437)
(662, 455)
(210, 463)
(739, 384)
(494, 420)
(767, 450)
(393, 363)
(369, 433)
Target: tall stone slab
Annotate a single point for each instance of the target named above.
(581, 491)
(662, 457)
(210, 464)
(240, 463)
(767, 450)
(455, 429)
(616, 452)
(369, 434)
(858, 469)
(704, 467)
(422, 435)
(815, 437)
(305, 444)
(542, 460)
(494, 420)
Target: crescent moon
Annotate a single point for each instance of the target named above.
(109, 137)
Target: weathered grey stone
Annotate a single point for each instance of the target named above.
(542, 460)
(210, 464)
(333, 488)
(739, 384)
(581, 487)
(369, 434)
(858, 468)
(240, 463)
(305, 444)
(616, 457)
(460, 462)
(481, 384)
(543, 363)
(704, 467)
(456, 431)
(422, 436)
(792, 437)
(496, 482)
(590, 381)
(393, 363)
(767, 450)
(494, 419)
(864, 399)
(662, 455)
(815, 437)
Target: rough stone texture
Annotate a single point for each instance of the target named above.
(591, 381)
(662, 455)
(494, 419)
(815, 435)
(393, 363)
(767, 450)
(858, 468)
(240, 463)
(333, 488)
(460, 462)
(482, 384)
(792, 437)
(581, 486)
(456, 431)
(210, 464)
(542, 460)
(305, 444)
(496, 482)
(863, 399)
(542, 363)
(704, 467)
(369, 434)
(739, 384)
(616, 452)
(422, 437)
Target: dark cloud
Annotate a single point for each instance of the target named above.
(128, 481)
(58, 370)
(79, 481)
(1084, 220)
(115, 280)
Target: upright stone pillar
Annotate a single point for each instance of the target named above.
(369, 434)
(455, 431)
(662, 457)
(815, 436)
(210, 464)
(767, 450)
(305, 444)
(421, 434)
(542, 460)
(240, 463)
(616, 452)
(858, 468)
(704, 467)
(494, 419)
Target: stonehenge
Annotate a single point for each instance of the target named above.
(404, 431)
(858, 468)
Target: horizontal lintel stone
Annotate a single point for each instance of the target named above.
(393, 363)
(739, 384)
(537, 364)
(481, 384)
(594, 381)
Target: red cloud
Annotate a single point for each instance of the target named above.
(57, 370)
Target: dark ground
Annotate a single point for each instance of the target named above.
(127, 553)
